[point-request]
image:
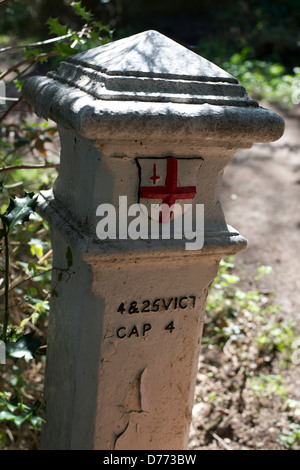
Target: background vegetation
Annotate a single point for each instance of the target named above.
(256, 41)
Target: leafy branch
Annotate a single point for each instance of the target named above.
(9, 110)
(25, 297)
(35, 59)
(66, 42)
(18, 212)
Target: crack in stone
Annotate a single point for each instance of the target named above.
(117, 437)
(133, 399)
(132, 403)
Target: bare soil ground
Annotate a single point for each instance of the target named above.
(266, 181)
(261, 195)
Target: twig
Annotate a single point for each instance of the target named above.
(5, 98)
(13, 106)
(32, 64)
(65, 270)
(80, 34)
(46, 256)
(15, 185)
(221, 441)
(13, 284)
(27, 61)
(19, 280)
(213, 425)
(6, 287)
(28, 167)
(35, 44)
(8, 431)
(5, 1)
(33, 327)
(29, 323)
(24, 280)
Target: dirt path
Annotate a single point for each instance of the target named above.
(261, 199)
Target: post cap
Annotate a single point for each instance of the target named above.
(147, 84)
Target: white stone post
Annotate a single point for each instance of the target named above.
(141, 120)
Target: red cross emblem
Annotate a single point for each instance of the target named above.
(170, 192)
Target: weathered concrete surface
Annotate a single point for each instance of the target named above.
(184, 95)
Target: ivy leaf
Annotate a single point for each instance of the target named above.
(65, 49)
(56, 28)
(33, 52)
(81, 11)
(17, 412)
(18, 84)
(19, 210)
(25, 347)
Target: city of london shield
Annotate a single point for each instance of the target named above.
(170, 182)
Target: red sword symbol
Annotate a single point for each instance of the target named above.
(154, 177)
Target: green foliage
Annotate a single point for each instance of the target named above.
(24, 347)
(24, 301)
(27, 161)
(25, 262)
(92, 34)
(277, 336)
(82, 12)
(232, 314)
(268, 385)
(18, 211)
(263, 79)
(294, 405)
(55, 27)
(290, 439)
(15, 13)
(17, 412)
